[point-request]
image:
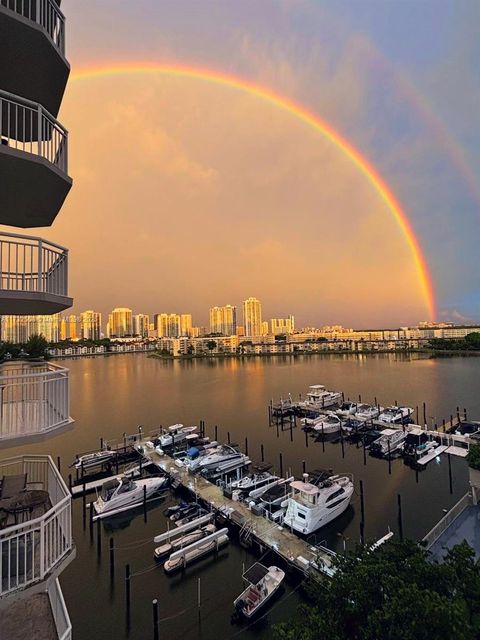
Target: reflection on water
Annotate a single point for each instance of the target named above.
(113, 395)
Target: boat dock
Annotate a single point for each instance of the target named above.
(253, 529)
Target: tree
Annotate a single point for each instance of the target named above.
(473, 340)
(211, 344)
(395, 592)
(36, 346)
(473, 456)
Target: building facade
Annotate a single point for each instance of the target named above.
(120, 323)
(141, 324)
(252, 317)
(90, 325)
(223, 320)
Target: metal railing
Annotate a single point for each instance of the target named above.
(34, 399)
(31, 264)
(31, 550)
(59, 611)
(27, 126)
(45, 13)
(442, 525)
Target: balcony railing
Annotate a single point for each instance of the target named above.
(59, 611)
(44, 13)
(27, 126)
(31, 550)
(32, 265)
(34, 399)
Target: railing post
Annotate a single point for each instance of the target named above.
(39, 131)
(42, 549)
(40, 267)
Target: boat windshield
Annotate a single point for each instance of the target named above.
(331, 420)
(108, 489)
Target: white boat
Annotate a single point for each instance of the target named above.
(185, 540)
(395, 415)
(94, 459)
(260, 477)
(263, 583)
(176, 433)
(328, 423)
(226, 466)
(367, 412)
(257, 493)
(388, 443)
(311, 506)
(216, 456)
(318, 397)
(417, 444)
(183, 557)
(122, 492)
(347, 409)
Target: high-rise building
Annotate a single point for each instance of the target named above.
(141, 324)
(252, 317)
(35, 397)
(186, 325)
(168, 325)
(90, 325)
(282, 325)
(264, 328)
(223, 320)
(120, 322)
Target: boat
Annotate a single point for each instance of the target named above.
(367, 412)
(318, 397)
(312, 505)
(258, 478)
(354, 427)
(327, 424)
(183, 557)
(215, 457)
(122, 492)
(390, 442)
(226, 466)
(347, 409)
(370, 436)
(94, 459)
(256, 493)
(395, 415)
(417, 444)
(176, 433)
(185, 540)
(263, 583)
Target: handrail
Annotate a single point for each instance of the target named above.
(22, 236)
(45, 13)
(442, 525)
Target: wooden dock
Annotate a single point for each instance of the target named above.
(258, 529)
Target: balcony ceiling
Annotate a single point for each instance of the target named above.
(30, 64)
(31, 303)
(32, 190)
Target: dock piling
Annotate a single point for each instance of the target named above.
(99, 538)
(156, 624)
(281, 465)
(59, 467)
(84, 505)
(362, 514)
(400, 523)
(112, 559)
(246, 446)
(389, 459)
(216, 432)
(70, 482)
(91, 523)
(450, 479)
(364, 453)
(425, 416)
(127, 587)
(464, 416)
(304, 467)
(228, 437)
(262, 453)
(145, 503)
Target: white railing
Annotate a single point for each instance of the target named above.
(31, 264)
(27, 126)
(442, 525)
(34, 399)
(45, 13)
(59, 611)
(31, 550)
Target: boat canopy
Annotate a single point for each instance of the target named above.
(305, 487)
(261, 467)
(317, 387)
(175, 427)
(255, 573)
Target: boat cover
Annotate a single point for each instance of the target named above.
(255, 573)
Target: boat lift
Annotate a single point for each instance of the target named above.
(219, 538)
(184, 528)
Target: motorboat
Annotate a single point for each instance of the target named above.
(417, 444)
(258, 478)
(185, 540)
(318, 397)
(371, 436)
(226, 466)
(354, 427)
(347, 409)
(196, 550)
(175, 434)
(94, 459)
(327, 424)
(390, 442)
(263, 582)
(122, 492)
(313, 505)
(395, 415)
(257, 493)
(216, 456)
(467, 428)
(367, 412)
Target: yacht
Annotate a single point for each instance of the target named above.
(312, 505)
(257, 493)
(263, 583)
(94, 459)
(185, 540)
(258, 478)
(176, 433)
(347, 409)
(123, 492)
(319, 398)
(417, 444)
(367, 412)
(214, 457)
(327, 424)
(395, 415)
(390, 442)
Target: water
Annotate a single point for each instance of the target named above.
(113, 395)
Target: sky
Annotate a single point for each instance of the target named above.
(189, 194)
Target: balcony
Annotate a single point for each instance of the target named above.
(34, 401)
(33, 276)
(36, 542)
(33, 163)
(32, 51)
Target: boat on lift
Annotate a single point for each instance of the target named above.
(313, 504)
(104, 456)
(122, 492)
(417, 445)
(217, 456)
(196, 550)
(367, 412)
(390, 442)
(175, 434)
(258, 478)
(347, 409)
(263, 583)
(395, 415)
(325, 423)
(184, 541)
(318, 397)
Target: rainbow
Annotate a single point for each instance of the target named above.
(306, 116)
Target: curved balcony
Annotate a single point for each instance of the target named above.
(32, 51)
(33, 163)
(33, 276)
(34, 400)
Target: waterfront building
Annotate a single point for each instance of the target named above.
(141, 323)
(186, 324)
(90, 325)
(240, 332)
(282, 326)
(169, 325)
(223, 320)
(252, 317)
(37, 545)
(120, 323)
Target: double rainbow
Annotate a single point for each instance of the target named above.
(306, 116)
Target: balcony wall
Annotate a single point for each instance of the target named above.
(33, 276)
(34, 400)
(34, 549)
(34, 179)
(32, 51)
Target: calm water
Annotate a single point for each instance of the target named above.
(113, 395)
